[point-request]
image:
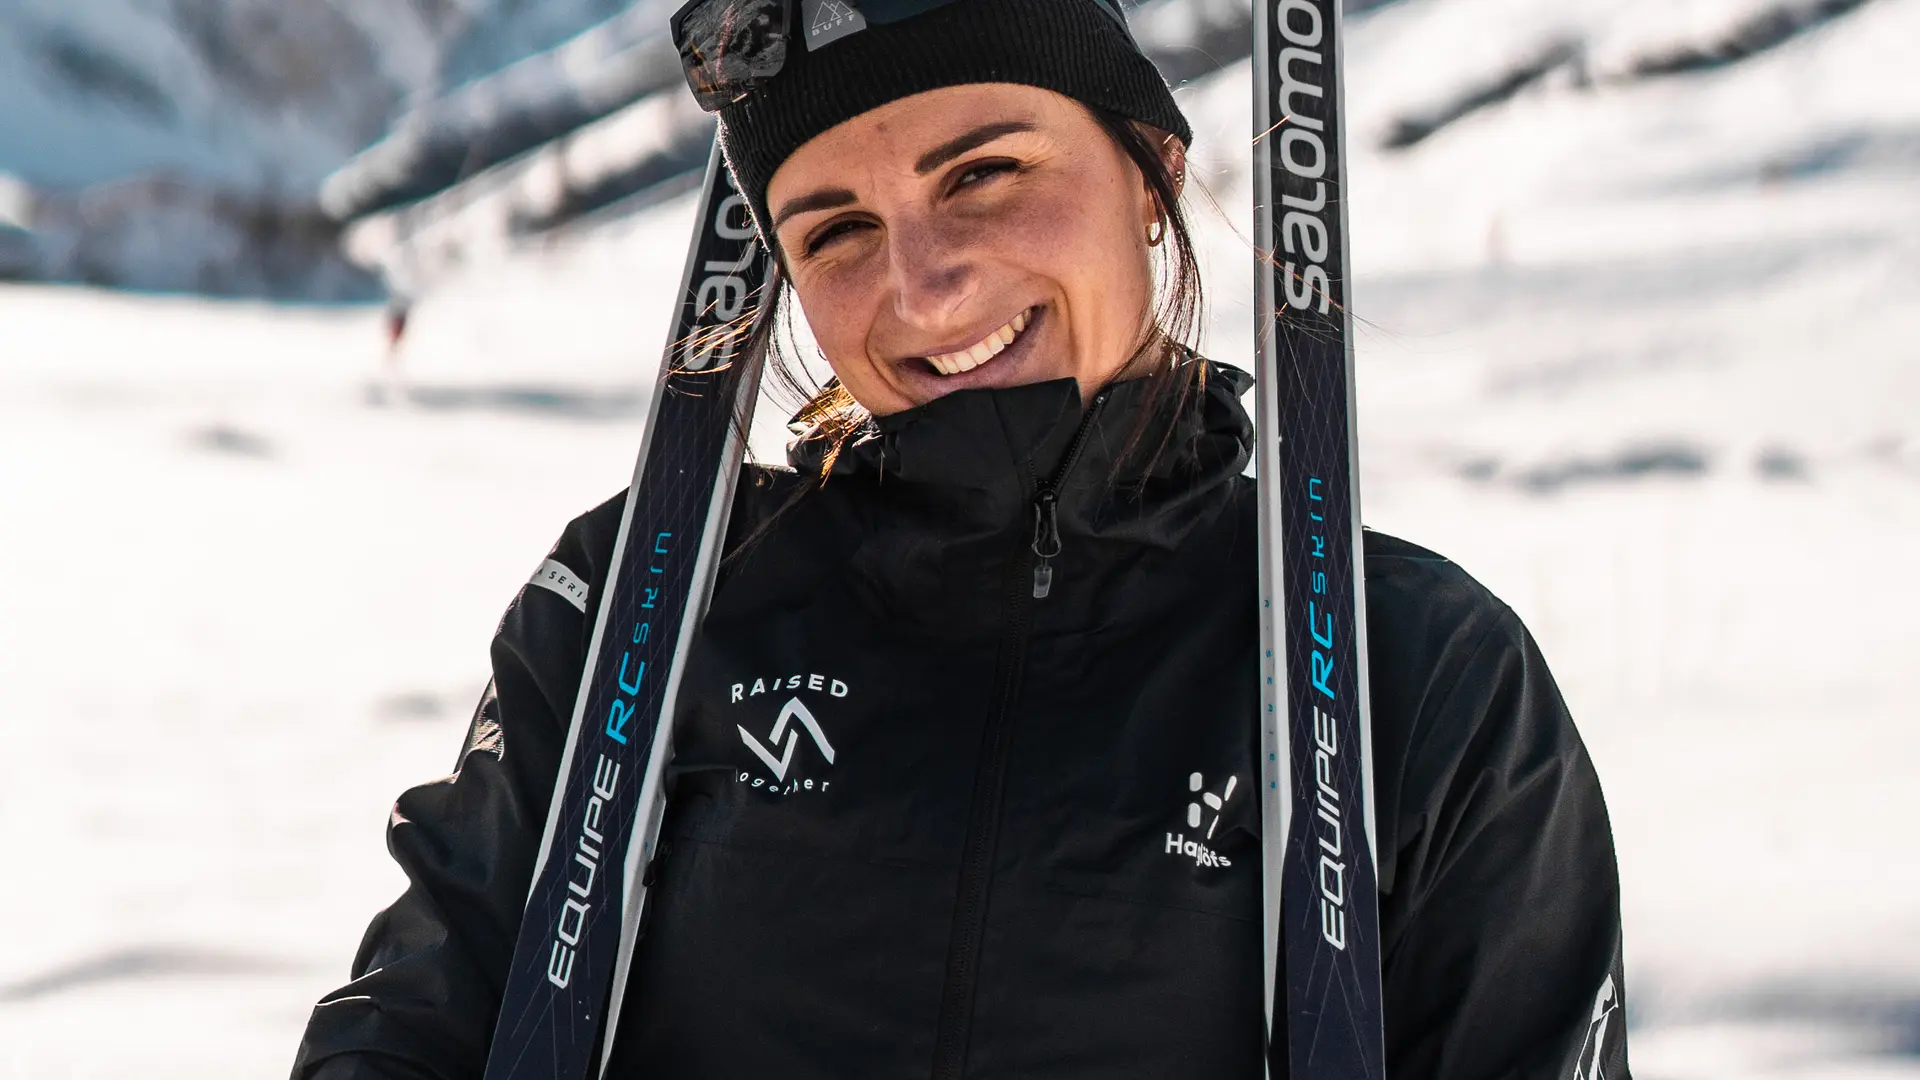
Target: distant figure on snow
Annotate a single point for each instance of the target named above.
(394, 319)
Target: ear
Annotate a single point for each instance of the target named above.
(1173, 155)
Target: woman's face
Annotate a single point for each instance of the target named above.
(984, 235)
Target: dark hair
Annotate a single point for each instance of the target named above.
(1167, 358)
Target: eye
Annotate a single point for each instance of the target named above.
(831, 232)
(979, 172)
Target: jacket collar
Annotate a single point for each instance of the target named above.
(989, 450)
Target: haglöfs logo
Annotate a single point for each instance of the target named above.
(1196, 848)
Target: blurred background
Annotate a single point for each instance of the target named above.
(1640, 291)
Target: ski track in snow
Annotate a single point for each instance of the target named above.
(1645, 360)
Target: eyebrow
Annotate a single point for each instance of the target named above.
(974, 139)
(831, 198)
(825, 199)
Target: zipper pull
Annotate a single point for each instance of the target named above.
(1046, 541)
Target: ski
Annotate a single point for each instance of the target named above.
(1317, 816)
(563, 990)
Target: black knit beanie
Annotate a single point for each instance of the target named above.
(1073, 47)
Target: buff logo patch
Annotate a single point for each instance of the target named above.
(827, 21)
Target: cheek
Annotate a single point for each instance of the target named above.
(840, 312)
(1083, 236)
(1064, 229)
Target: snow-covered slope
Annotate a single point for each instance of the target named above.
(441, 141)
(228, 113)
(1424, 67)
(239, 93)
(1643, 354)
(600, 126)
(255, 94)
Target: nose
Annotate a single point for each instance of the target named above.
(931, 272)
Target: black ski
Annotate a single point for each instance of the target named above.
(576, 938)
(1323, 937)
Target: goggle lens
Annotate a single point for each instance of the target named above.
(729, 47)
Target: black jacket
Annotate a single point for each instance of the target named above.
(833, 792)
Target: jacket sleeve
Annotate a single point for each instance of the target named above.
(428, 975)
(1500, 937)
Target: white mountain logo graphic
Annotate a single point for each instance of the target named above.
(783, 729)
(1604, 1005)
(830, 20)
(829, 15)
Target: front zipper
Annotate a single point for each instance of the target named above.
(1046, 502)
(989, 786)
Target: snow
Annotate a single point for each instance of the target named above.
(250, 94)
(601, 120)
(180, 144)
(499, 116)
(1642, 354)
(420, 246)
(236, 93)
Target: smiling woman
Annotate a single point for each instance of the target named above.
(1005, 824)
(984, 235)
(972, 236)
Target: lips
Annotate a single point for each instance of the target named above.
(954, 363)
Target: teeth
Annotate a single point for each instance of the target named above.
(992, 345)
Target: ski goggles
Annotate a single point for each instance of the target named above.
(730, 48)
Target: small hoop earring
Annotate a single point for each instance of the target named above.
(1156, 232)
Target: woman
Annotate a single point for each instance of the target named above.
(955, 861)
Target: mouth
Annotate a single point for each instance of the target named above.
(964, 360)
